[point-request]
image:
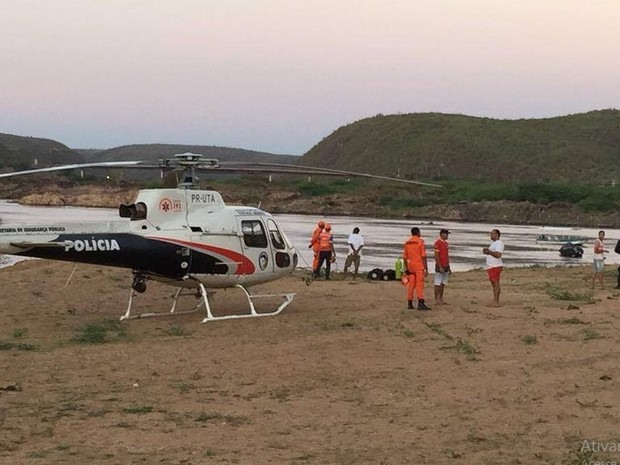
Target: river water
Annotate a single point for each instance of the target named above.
(384, 238)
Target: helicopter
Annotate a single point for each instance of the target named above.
(183, 236)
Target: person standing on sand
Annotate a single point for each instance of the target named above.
(314, 243)
(416, 268)
(599, 259)
(356, 242)
(494, 263)
(442, 265)
(326, 252)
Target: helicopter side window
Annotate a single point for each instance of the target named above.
(254, 234)
(276, 237)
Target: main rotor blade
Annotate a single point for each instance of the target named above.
(225, 166)
(301, 169)
(280, 170)
(106, 164)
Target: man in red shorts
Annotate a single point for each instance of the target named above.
(442, 265)
(494, 263)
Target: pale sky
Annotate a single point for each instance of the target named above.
(280, 75)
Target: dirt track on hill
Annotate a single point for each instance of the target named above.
(344, 376)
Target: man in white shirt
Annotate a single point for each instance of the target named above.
(494, 263)
(356, 242)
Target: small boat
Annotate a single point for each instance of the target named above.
(571, 250)
(561, 239)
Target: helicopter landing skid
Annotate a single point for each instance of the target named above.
(288, 298)
(204, 300)
(129, 316)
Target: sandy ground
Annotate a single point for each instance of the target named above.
(345, 375)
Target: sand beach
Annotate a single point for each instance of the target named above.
(345, 375)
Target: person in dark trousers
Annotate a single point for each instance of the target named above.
(356, 243)
(326, 252)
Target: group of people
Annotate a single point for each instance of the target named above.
(415, 266)
(322, 244)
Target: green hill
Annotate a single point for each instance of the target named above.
(156, 151)
(19, 153)
(580, 148)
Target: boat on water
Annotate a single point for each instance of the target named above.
(571, 250)
(550, 238)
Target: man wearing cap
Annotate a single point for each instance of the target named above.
(442, 265)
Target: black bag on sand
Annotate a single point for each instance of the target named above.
(389, 275)
(375, 274)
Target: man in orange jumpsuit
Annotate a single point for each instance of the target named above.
(326, 252)
(416, 267)
(314, 243)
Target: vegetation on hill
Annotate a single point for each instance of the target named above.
(19, 153)
(544, 171)
(156, 151)
(552, 204)
(581, 148)
(88, 152)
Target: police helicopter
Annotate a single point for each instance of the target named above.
(183, 236)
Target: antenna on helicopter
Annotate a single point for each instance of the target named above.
(187, 163)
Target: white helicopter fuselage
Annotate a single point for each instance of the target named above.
(176, 236)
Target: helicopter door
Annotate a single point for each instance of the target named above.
(256, 246)
(280, 257)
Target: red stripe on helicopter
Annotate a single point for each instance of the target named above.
(244, 264)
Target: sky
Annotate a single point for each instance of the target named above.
(280, 75)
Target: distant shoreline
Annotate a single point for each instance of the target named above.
(425, 215)
(556, 214)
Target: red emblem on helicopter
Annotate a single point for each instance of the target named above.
(166, 205)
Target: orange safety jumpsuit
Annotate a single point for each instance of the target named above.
(314, 243)
(414, 255)
(326, 247)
